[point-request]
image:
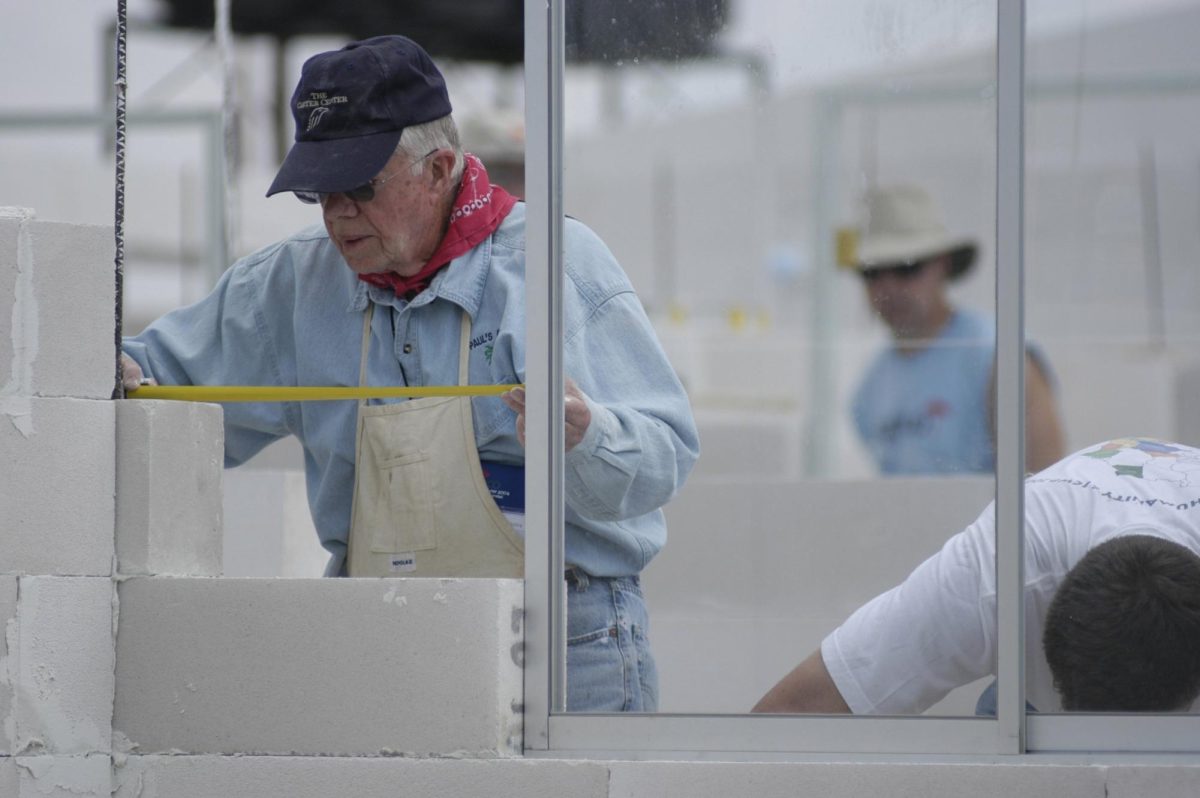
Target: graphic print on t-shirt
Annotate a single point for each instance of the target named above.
(1149, 459)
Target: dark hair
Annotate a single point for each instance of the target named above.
(1123, 630)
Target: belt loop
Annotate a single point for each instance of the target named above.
(576, 577)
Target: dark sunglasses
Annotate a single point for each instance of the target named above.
(902, 271)
(364, 193)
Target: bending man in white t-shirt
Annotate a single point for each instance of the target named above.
(1112, 600)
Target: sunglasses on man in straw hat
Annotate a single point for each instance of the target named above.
(903, 231)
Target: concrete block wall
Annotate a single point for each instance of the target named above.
(346, 667)
(168, 506)
(90, 776)
(59, 535)
(112, 519)
(56, 498)
(376, 777)
(62, 666)
(46, 269)
(128, 669)
(58, 434)
(120, 639)
(316, 777)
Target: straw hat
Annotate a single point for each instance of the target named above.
(903, 225)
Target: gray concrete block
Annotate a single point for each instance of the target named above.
(376, 777)
(8, 617)
(56, 497)
(845, 780)
(168, 481)
(64, 776)
(57, 309)
(8, 776)
(64, 666)
(1159, 781)
(410, 667)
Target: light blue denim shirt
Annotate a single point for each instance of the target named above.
(291, 314)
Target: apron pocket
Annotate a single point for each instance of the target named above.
(411, 521)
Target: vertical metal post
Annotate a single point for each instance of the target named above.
(215, 199)
(223, 34)
(1156, 312)
(545, 596)
(1010, 375)
(821, 372)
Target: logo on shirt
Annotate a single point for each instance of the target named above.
(486, 340)
(919, 425)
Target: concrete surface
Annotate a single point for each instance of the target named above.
(414, 667)
(53, 344)
(56, 495)
(170, 457)
(64, 663)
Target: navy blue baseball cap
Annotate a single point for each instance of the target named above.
(350, 107)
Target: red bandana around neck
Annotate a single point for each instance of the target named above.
(478, 210)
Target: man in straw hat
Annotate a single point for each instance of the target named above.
(416, 278)
(926, 403)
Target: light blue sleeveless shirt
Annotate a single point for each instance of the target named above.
(927, 412)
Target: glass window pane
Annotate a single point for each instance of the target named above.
(1113, 579)
(803, 197)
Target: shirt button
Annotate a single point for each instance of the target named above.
(408, 349)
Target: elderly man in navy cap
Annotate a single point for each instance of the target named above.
(416, 278)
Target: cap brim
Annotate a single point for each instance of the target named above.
(334, 165)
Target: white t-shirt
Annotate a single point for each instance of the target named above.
(905, 649)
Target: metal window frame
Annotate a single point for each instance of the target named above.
(549, 731)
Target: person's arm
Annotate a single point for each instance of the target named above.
(219, 340)
(808, 688)
(1043, 433)
(640, 441)
(1044, 444)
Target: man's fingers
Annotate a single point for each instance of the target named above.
(515, 399)
(131, 373)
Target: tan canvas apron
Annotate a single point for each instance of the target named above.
(421, 506)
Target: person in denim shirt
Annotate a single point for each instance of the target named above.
(416, 278)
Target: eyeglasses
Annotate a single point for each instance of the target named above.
(365, 192)
(901, 271)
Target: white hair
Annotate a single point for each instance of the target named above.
(417, 141)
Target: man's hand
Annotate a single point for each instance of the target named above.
(131, 374)
(575, 413)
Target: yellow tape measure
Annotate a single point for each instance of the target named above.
(301, 393)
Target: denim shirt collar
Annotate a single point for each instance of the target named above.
(462, 282)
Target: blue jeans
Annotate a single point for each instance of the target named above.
(986, 705)
(609, 664)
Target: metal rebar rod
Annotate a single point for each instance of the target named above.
(119, 199)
